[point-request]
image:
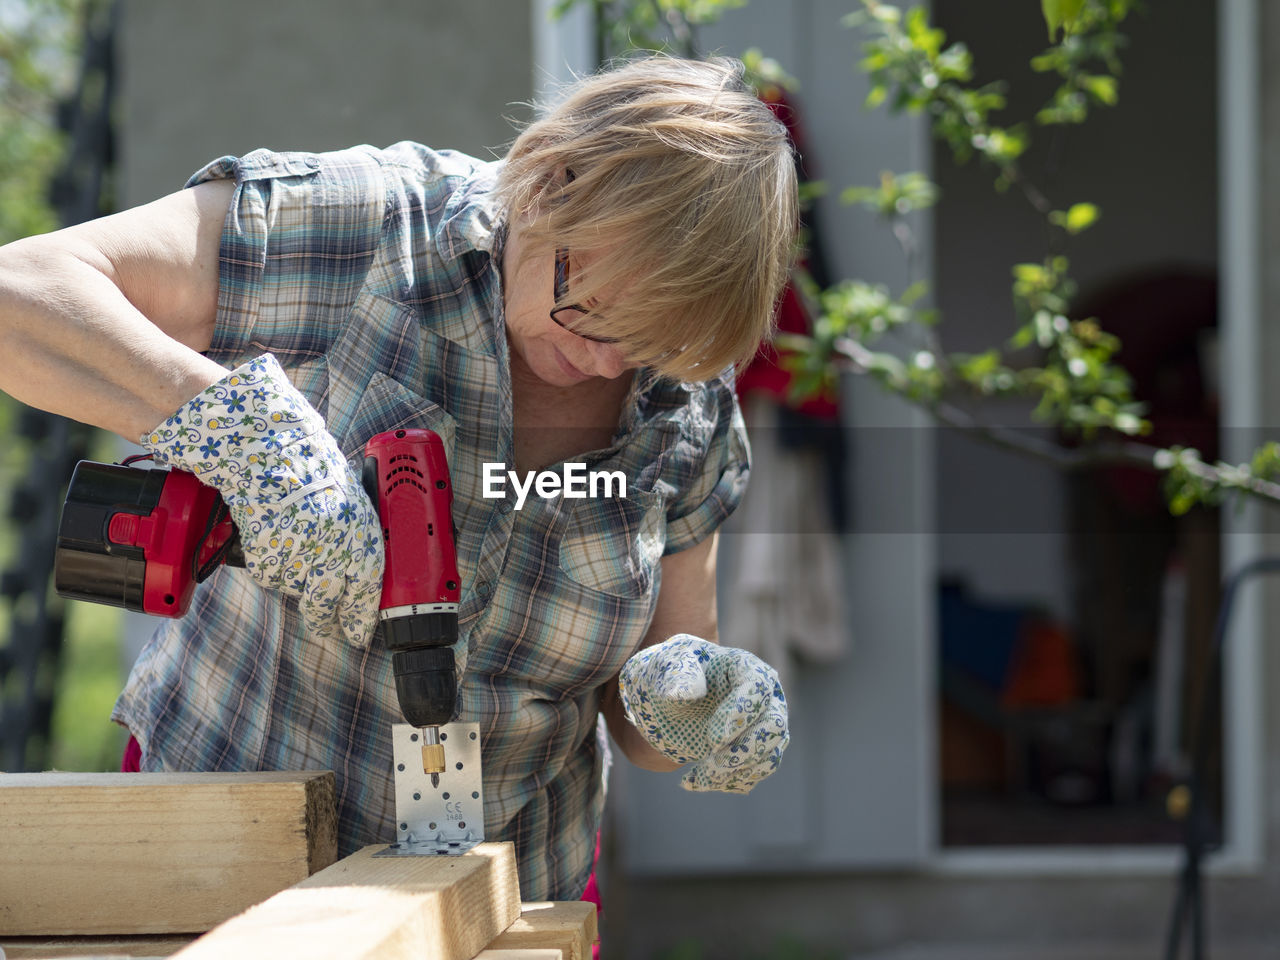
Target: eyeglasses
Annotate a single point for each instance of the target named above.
(571, 314)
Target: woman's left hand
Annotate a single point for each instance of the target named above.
(719, 709)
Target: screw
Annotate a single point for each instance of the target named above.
(444, 737)
(417, 796)
(475, 795)
(431, 826)
(404, 826)
(473, 736)
(400, 767)
(446, 795)
(413, 737)
(459, 765)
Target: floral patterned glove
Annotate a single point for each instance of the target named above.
(306, 524)
(717, 708)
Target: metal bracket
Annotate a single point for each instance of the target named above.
(442, 820)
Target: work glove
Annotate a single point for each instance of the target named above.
(306, 525)
(718, 709)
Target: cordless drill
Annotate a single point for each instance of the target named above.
(142, 539)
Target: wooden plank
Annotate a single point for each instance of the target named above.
(543, 931)
(129, 853)
(427, 908)
(569, 928)
(63, 948)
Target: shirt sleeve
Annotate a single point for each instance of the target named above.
(299, 238)
(720, 458)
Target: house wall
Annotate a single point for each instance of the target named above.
(203, 80)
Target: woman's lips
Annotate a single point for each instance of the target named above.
(569, 368)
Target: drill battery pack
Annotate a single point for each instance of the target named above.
(140, 538)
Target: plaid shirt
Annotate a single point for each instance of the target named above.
(372, 275)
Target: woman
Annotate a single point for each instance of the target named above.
(580, 300)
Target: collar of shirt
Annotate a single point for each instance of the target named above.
(472, 219)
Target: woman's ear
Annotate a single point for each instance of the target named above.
(547, 190)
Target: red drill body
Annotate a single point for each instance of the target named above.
(407, 476)
(142, 539)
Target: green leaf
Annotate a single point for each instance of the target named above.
(1045, 62)
(1266, 461)
(914, 292)
(1023, 338)
(885, 13)
(811, 190)
(927, 40)
(1079, 217)
(764, 72)
(1102, 88)
(869, 196)
(1060, 14)
(1029, 273)
(887, 367)
(1128, 424)
(560, 8)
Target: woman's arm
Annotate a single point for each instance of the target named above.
(103, 322)
(686, 604)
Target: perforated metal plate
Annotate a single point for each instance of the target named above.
(437, 820)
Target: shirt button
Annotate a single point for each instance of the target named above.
(482, 588)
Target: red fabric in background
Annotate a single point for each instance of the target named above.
(132, 762)
(766, 373)
(592, 895)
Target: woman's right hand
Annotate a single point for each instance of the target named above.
(306, 524)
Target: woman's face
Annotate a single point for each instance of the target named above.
(551, 353)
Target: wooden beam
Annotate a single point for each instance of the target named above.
(543, 931)
(427, 908)
(129, 853)
(569, 928)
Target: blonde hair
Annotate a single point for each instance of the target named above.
(682, 187)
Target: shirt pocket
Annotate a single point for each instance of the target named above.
(387, 404)
(612, 545)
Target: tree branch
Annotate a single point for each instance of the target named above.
(1109, 453)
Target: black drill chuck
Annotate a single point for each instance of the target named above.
(422, 661)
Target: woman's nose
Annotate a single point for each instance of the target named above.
(609, 359)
